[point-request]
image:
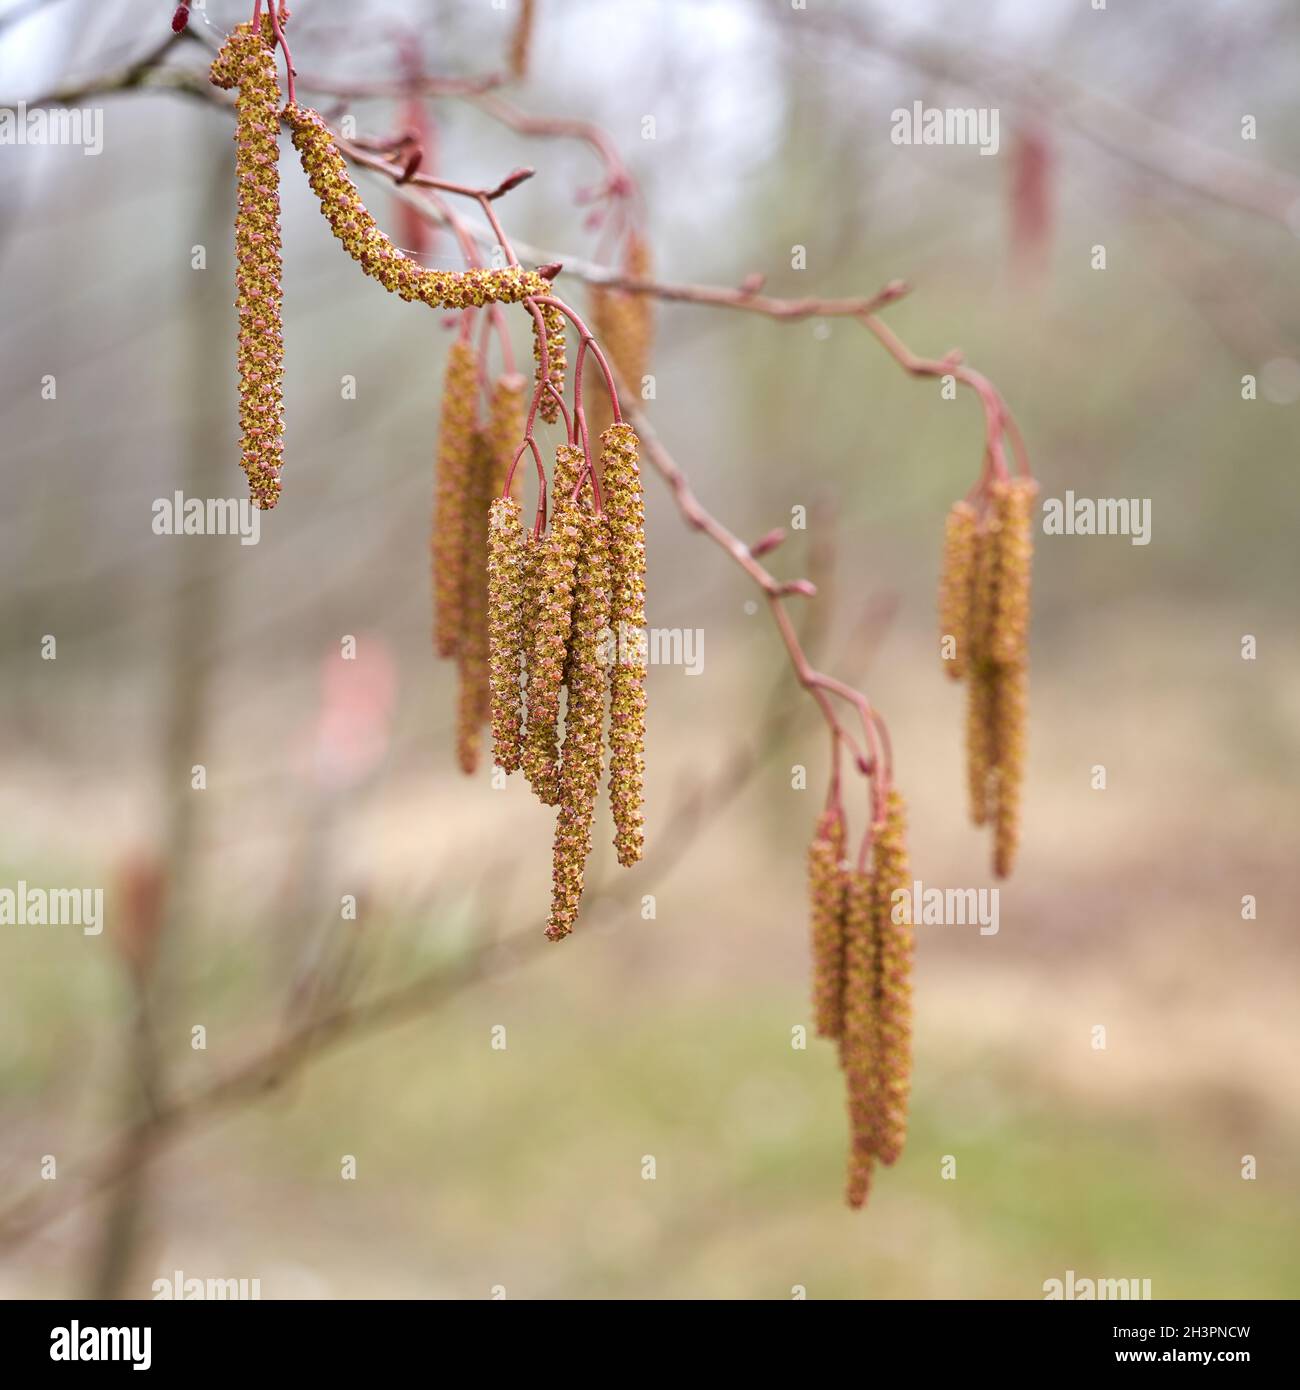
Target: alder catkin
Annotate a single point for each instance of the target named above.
(374, 252)
(981, 754)
(624, 327)
(247, 61)
(621, 493)
(859, 1040)
(1013, 502)
(584, 718)
(521, 38)
(452, 488)
(507, 585)
(956, 581)
(826, 888)
(507, 411)
(1012, 708)
(474, 700)
(894, 967)
(551, 612)
(556, 362)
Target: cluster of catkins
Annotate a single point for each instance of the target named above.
(247, 61)
(984, 630)
(862, 982)
(566, 611)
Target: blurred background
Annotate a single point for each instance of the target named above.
(521, 1168)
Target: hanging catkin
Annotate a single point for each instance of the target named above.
(452, 487)
(556, 361)
(507, 411)
(894, 956)
(624, 324)
(584, 718)
(955, 583)
(550, 606)
(472, 655)
(621, 491)
(826, 890)
(1012, 502)
(507, 582)
(247, 61)
(859, 1043)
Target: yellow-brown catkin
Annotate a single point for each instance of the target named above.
(507, 585)
(859, 1036)
(956, 581)
(550, 610)
(452, 489)
(1013, 502)
(584, 719)
(621, 493)
(624, 326)
(1012, 709)
(374, 252)
(894, 955)
(474, 701)
(981, 751)
(506, 416)
(247, 61)
(826, 886)
(521, 40)
(556, 362)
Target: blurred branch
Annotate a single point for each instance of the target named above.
(1114, 126)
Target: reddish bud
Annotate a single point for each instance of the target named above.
(181, 18)
(768, 543)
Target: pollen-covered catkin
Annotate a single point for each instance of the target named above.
(506, 418)
(374, 252)
(859, 1042)
(584, 720)
(826, 886)
(474, 699)
(890, 873)
(452, 487)
(1013, 501)
(507, 583)
(955, 585)
(556, 362)
(247, 61)
(621, 492)
(551, 610)
(1012, 707)
(981, 751)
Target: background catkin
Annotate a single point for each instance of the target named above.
(624, 325)
(247, 61)
(826, 890)
(895, 950)
(621, 492)
(584, 718)
(452, 486)
(521, 38)
(955, 583)
(550, 605)
(507, 412)
(507, 581)
(474, 700)
(859, 1043)
(374, 252)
